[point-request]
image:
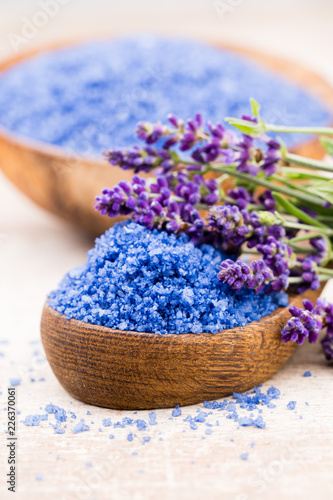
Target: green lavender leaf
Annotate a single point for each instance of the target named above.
(324, 189)
(290, 208)
(255, 108)
(246, 127)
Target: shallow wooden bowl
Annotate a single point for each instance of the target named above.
(132, 370)
(66, 184)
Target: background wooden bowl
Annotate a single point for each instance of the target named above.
(66, 185)
(132, 370)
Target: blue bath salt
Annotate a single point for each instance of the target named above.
(80, 427)
(134, 279)
(152, 418)
(307, 374)
(106, 422)
(59, 413)
(59, 431)
(14, 382)
(89, 97)
(176, 412)
(34, 420)
(291, 405)
(141, 425)
(244, 456)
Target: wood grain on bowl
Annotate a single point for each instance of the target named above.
(131, 370)
(66, 184)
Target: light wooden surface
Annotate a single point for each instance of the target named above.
(291, 459)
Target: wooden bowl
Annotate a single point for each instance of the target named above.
(66, 184)
(132, 371)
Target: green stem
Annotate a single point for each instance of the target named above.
(269, 185)
(299, 130)
(303, 238)
(296, 212)
(305, 227)
(321, 277)
(325, 218)
(308, 162)
(289, 184)
(324, 270)
(300, 249)
(299, 172)
(295, 280)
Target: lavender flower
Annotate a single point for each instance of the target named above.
(140, 159)
(305, 323)
(267, 199)
(271, 157)
(232, 224)
(151, 133)
(327, 343)
(237, 274)
(241, 197)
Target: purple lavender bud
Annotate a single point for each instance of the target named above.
(294, 331)
(176, 122)
(305, 323)
(206, 154)
(172, 227)
(237, 274)
(327, 344)
(150, 133)
(171, 141)
(267, 199)
(217, 131)
(241, 197)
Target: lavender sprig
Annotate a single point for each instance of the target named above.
(265, 211)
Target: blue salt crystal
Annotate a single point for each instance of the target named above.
(291, 405)
(111, 436)
(200, 417)
(141, 425)
(106, 422)
(193, 425)
(59, 431)
(14, 382)
(245, 421)
(130, 437)
(59, 413)
(244, 456)
(307, 374)
(128, 421)
(34, 420)
(152, 418)
(79, 294)
(80, 427)
(176, 412)
(86, 99)
(146, 439)
(208, 431)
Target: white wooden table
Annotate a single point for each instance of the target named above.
(292, 458)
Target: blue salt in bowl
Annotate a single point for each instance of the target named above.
(116, 331)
